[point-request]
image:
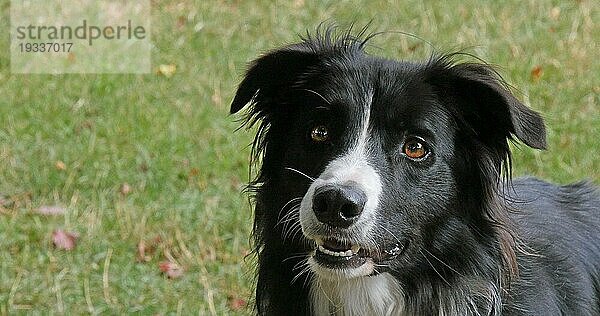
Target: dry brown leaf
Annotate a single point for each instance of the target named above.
(193, 173)
(415, 46)
(125, 189)
(51, 210)
(167, 70)
(216, 97)
(171, 269)
(144, 167)
(60, 165)
(4, 205)
(555, 13)
(15, 201)
(181, 20)
(64, 240)
(147, 248)
(141, 252)
(5, 202)
(236, 303)
(537, 72)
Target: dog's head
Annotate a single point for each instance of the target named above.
(380, 162)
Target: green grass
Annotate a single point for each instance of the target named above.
(173, 142)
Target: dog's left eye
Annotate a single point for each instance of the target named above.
(415, 148)
(319, 134)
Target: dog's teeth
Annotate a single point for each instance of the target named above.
(326, 251)
(344, 253)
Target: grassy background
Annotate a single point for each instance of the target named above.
(172, 141)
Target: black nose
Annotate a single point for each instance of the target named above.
(338, 205)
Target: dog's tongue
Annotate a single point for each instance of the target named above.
(336, 245)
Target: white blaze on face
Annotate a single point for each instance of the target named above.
(350, 167)
(351, 291)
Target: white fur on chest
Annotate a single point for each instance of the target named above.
(374, 295)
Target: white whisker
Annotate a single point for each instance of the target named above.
(391, 234)
(434, 269)
(296, 199)
(305, 270)
(289, 216)
(442, 262)
(301, 173)
(318, 94)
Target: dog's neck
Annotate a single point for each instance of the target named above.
(371, 295)
(382, 295)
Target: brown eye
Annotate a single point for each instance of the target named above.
(414, 148)
(319, 134)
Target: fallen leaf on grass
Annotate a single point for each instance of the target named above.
(194, 172)
(15, 201)
(141, 252)
(83, 126)
(171, 269)
(64, 240)
(60, 165)
(216, 97)
(125, 189)
(181, 20)
(5, 202)
(144, 167)
(167, 70)
(236, 303)
(555, 13)
(147, 248)
(51, 210)
(414, 47)
(537, 72)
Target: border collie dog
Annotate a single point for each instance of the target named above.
(384, 189)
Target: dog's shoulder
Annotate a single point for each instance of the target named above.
(559, 229)
(535, 197)
(568, 216)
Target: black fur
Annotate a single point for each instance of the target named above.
(479, 242)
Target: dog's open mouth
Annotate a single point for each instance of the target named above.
(336, 254)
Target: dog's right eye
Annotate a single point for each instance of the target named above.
(319, 134)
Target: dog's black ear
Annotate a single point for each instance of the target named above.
(270, 74)
(486, 105)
